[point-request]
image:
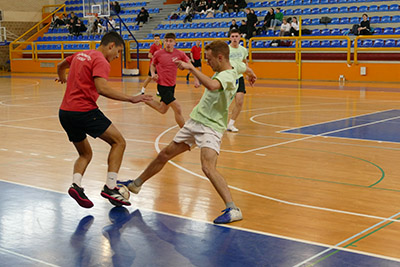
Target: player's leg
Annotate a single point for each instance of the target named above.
(169, 152)
(117, 142)
(159, 106)
(239, 97)
(178, 113)
(146, 82)
(76, 190)
(208, 163)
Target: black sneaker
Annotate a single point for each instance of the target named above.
(114, 196)
(77, 193)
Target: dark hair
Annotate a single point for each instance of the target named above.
(112, 37)
(218, 47)
(234, 31)
(365, 15)
(156, 35)
(170, 35)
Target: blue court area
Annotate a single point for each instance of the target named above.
(379, 126)
(46, 228)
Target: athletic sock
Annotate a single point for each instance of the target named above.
(111, 181)
(231, 122)
(231, 205)
(77, 179)
(138, 182)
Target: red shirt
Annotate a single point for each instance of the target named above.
(166, 68)
(81, 94)
(153, 49)
(196, 52)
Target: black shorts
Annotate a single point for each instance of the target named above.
(78, 124)
(197, 63)
(241, 88)
(166, 93)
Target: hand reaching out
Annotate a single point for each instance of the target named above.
(141, 98)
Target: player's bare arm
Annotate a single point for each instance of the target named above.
(204, 79)
(154, 76)
(61, 71)
(105, 90)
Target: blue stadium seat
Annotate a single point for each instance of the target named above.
(315, 32)
(325, 32)
(213, 35)
(344, 31)
(333, 1)
(306, 21)
(354, 20)
(378, 31)
(390, 43)
(378, 43)
(343, 9)
(325, 43)
(373, 8)
(297, 11)
(383, 8)
(324, 10)
(289, 3)
(398, 43)
(257, 4)
(265, 4)
(397, 30)
(344, 20)
(306, 11)
(259, 44)
(334, 9)
(315, 10)
(305, 43)
(335, 21)
(298, 2)
(366, 43)
(343, 43)
(315, 2)
(335, 43)
(388, 30)
(324, 2)
(315, 43)
(363, 9)
(394, 7)
(374, 19)
(353, 9)
(250, 4)
(306, 2)
(315, 21)
(396, 19)
(281, 3)
(385, 19)
(289, 12)
(335, 31)
(179, 45)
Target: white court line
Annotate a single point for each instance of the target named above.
(319, 135)
(344, 241)
(156, 146)
(27, 257)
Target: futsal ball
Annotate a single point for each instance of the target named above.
(124, 191)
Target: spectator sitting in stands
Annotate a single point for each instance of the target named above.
(294, 30)
(233, 25)
(56, 21)
(278, 19)
(269, 17)
(184, 4)
(99, 26)
(201, 6)
(70, 26)
(285, 28)
(223, 6)
(114, 26)
(73, 16)
(79, 27)
(189, 16)
(365, 28)
(143, 16)
(115, 8)
(243, 29)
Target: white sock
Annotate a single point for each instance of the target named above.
(143, 89)
(111, 179)
(231, 122)
(77, 179)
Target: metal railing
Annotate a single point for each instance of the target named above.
(357, 49)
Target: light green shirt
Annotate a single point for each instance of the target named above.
(238, 54)
(213, 108)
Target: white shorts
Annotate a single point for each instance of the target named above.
(194, 132)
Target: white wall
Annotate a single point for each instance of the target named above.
(26, 10)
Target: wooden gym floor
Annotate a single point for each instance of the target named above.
(314, 169)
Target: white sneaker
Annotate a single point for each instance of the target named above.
(232, 129)
(131, 186)
(229, 215)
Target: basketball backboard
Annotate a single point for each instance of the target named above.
(92, 8)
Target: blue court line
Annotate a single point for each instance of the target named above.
(46, 226)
